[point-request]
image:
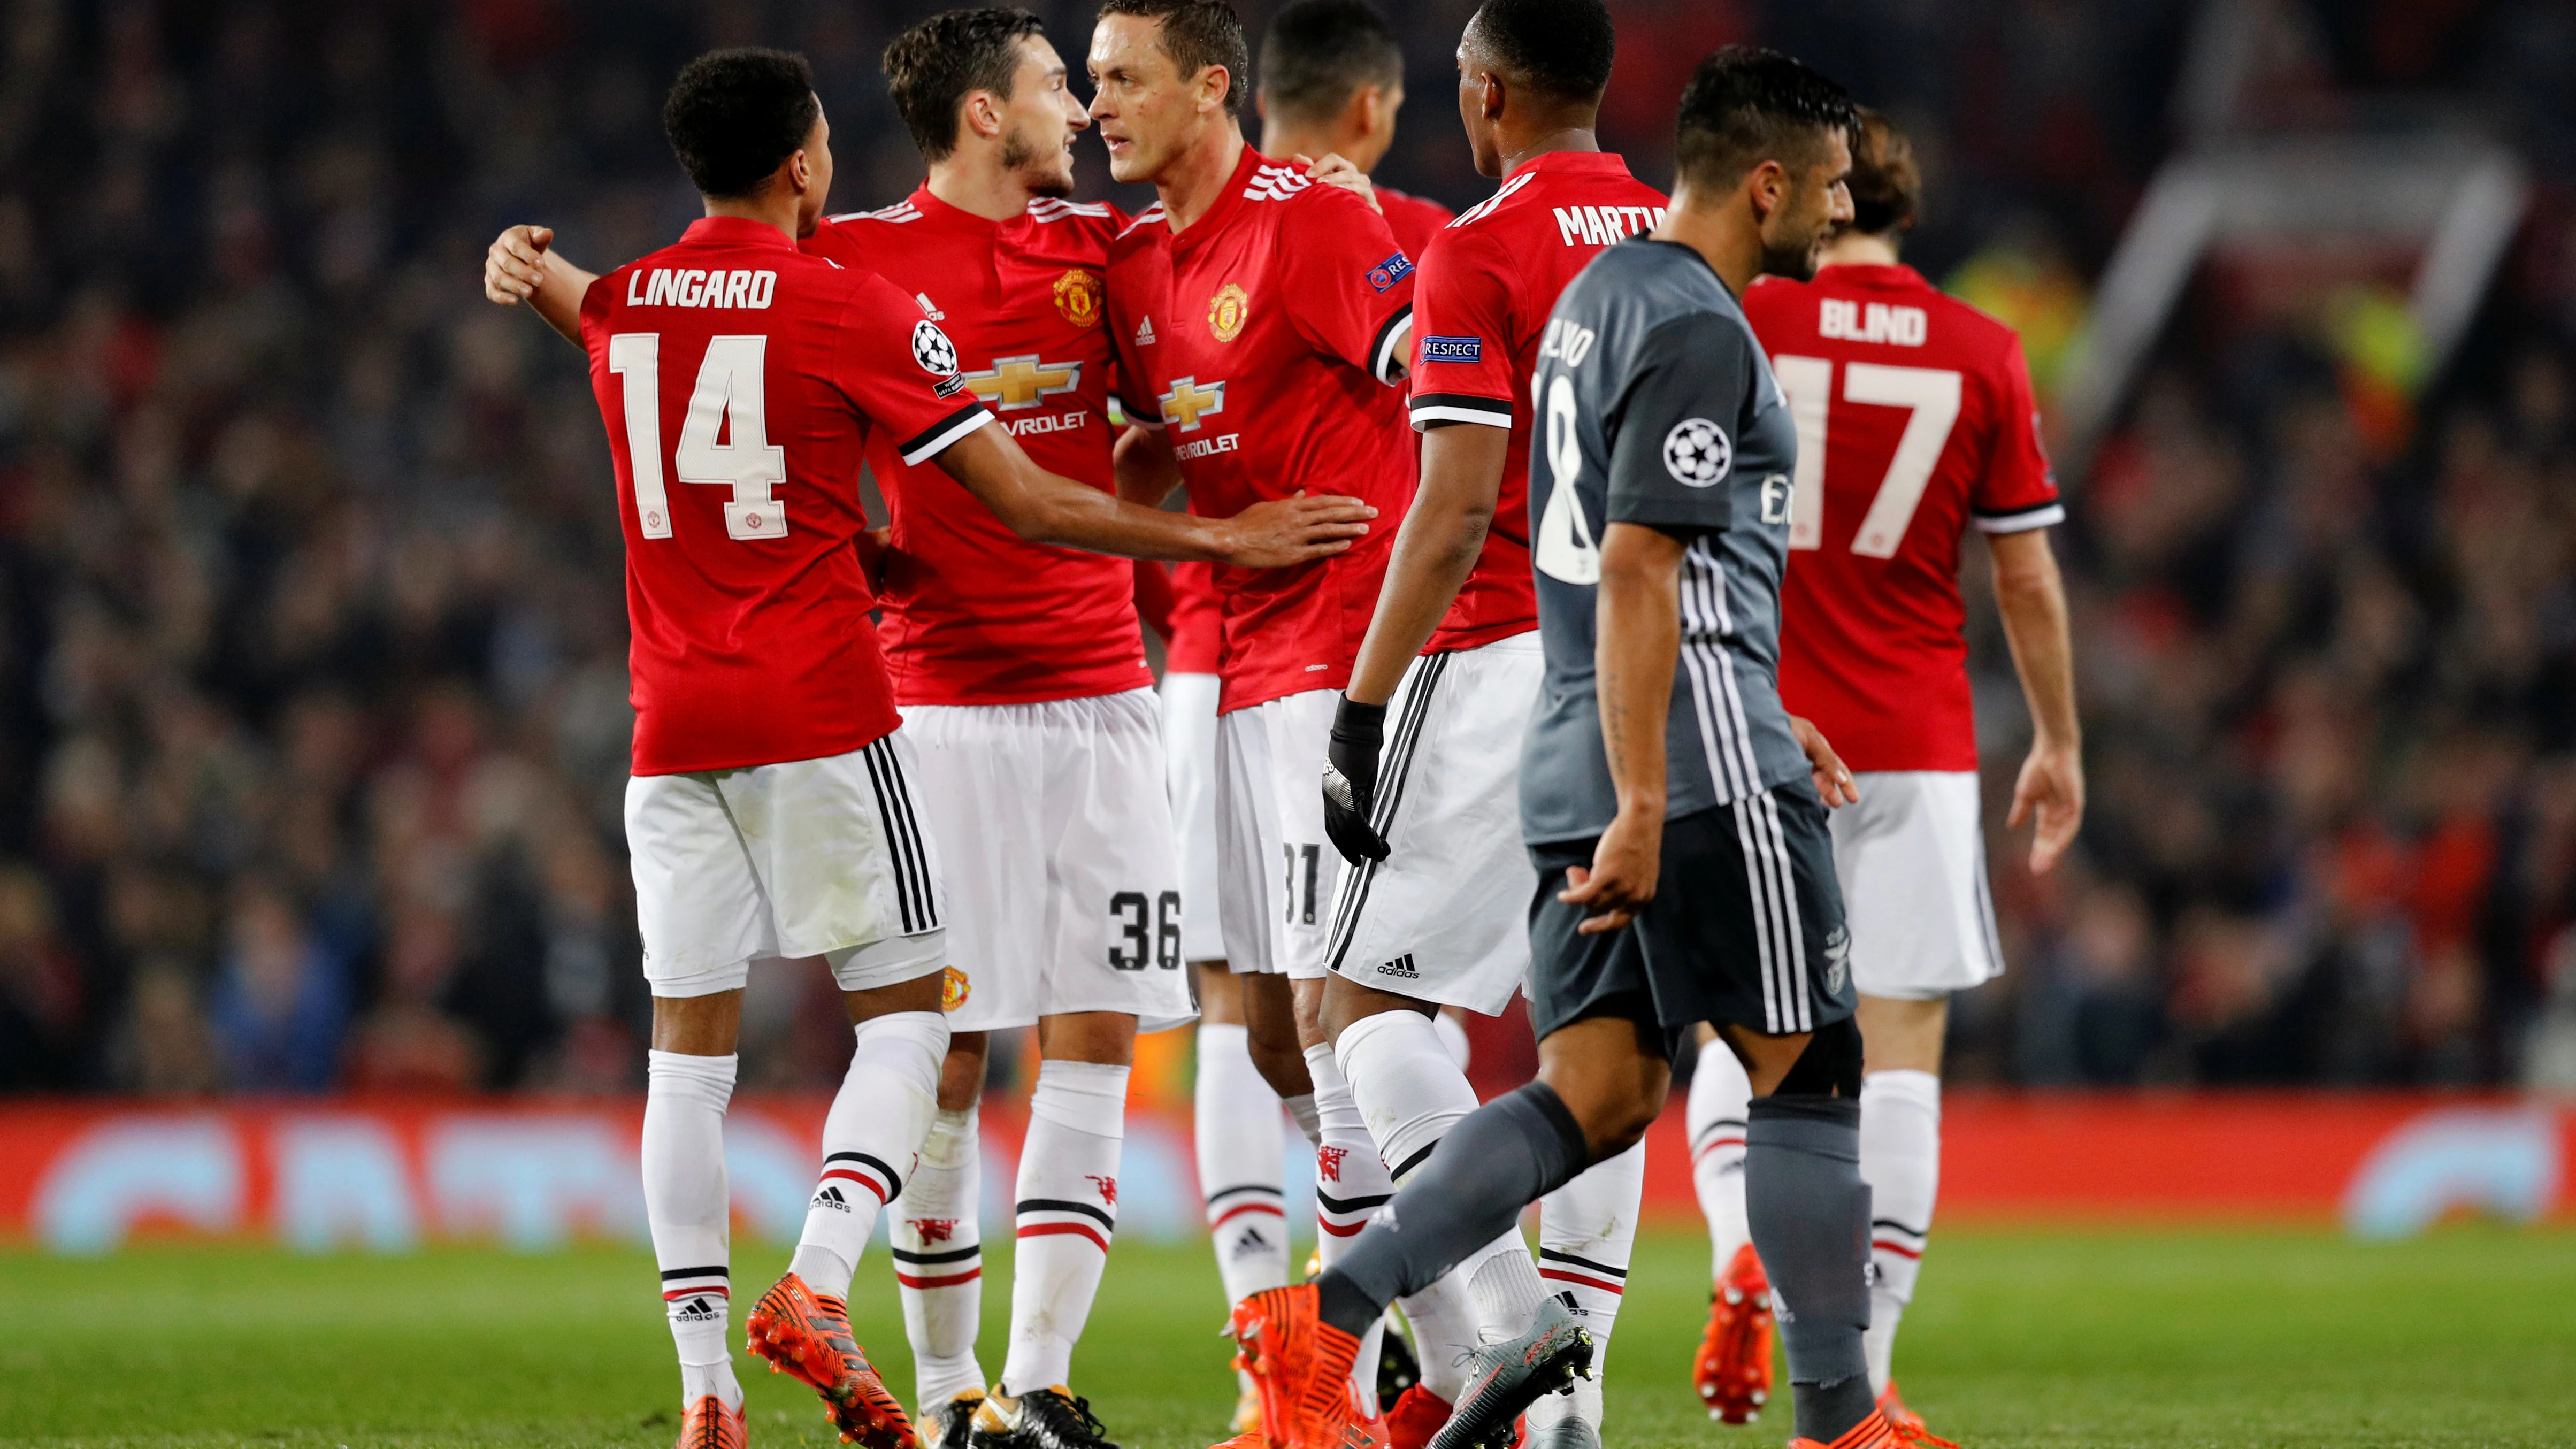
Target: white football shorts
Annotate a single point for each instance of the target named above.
(1064, 885)
(1276, 873)
(1445, 917)
(1912, 858)
(822, 857)
(1189, 762)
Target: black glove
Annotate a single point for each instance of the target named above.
(1350, 779)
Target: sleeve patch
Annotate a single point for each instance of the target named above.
(1453, 349)
(1697, 453)
(1391, 271)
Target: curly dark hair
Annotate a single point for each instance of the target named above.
(734, 115)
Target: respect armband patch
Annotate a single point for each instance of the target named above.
(1391, 271)
(1453, 349)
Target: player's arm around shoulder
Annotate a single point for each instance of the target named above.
(1350, 283)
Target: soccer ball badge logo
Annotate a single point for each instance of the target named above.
(932, 349)
(1696, 453)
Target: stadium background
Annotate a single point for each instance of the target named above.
(312, 717)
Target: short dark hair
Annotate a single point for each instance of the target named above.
(1318, 53)
(1746, 105)
(734, 115)
(1197, 34)
(932, 68)
(1886, 186)
(1560, 47)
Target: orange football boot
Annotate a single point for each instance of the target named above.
(1302, 1366)
(708, 1424)
(1907, 1424)
(807, 1334)
(1417, 1415)
(1733, 1371)
(1873, 1432)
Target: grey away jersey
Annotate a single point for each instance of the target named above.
(1660, 409)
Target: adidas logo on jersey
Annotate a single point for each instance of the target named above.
(1401, 967)
(1145, 332)
(929, 308)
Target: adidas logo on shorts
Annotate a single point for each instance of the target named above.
(1401, 967)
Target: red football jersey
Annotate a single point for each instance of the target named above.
(1413, 219)
(734, 361)
(1915, 420)
(1488, 282)
(974, 614)
(1198, 621)
(1266, 335)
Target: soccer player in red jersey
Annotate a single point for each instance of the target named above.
(1434, 908)
(1268, 319)
(772, 811)
(1332, 82)
(1916, 426)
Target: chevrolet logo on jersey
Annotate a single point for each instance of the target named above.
(1019, 382)
(1187, 402)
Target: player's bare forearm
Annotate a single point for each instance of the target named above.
(522, 267)
(1435, 550)
(2031, 596)
(1143, 464)
(1640, 638)
(1046, 507)
(2032, 599)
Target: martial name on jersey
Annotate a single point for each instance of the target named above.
(1488, 281)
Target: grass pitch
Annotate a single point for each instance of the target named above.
(2024, 1338)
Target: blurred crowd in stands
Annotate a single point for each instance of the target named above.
(312, 684)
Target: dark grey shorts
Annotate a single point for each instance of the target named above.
(1746, 926)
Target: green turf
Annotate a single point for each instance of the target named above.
(2467, 1337)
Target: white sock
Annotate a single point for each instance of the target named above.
(1068, 1209)
(1900, 1159)
(939, 1259)
(870, 1138)
(1586, 1231)
(1351, 1185)
(1410, 1091)
(689, 1206)
(1302, 1111)
(1237, 1130)
(1720, 1095)
(1507, 1290)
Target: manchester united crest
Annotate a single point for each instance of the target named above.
(1077, 297)
(953, 988)
(1227, 310)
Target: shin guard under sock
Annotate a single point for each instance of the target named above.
(1809, 1211)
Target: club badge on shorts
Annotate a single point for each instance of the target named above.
(1227, 311)
(953, 988)
(1077, 297)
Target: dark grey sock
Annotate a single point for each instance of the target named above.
(1809, 1211)
(1499, 1159)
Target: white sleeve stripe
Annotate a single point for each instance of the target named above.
(1425, 415)
(1387, 360)
(2024, 521)
(931, 444)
